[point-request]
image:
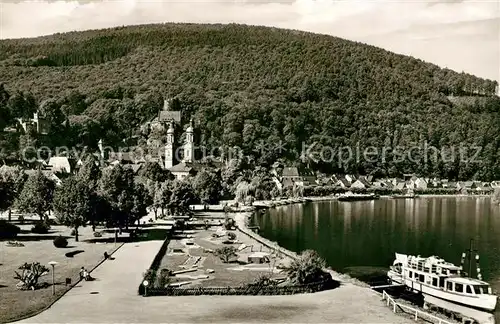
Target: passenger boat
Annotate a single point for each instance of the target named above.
(435, 277)
(349, 196)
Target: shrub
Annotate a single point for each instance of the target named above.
(30, 274)
(73, 232)
(40, 228)
(231, 236)
(162, 278)
(97, 234)
(60, 242)
(307, 268)
(229, 224)
(8, 230)
(226, 253)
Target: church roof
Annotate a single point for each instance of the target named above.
(186, 167)
(167, 115)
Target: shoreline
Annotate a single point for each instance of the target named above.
(291, 201)
(242, 220)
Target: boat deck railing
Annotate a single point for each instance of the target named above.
(411, 310)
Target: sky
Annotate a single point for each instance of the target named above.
(463, 35)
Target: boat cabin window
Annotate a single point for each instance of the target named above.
(449, 286)
(410, 273)
(421, 278)
(435, 282)
(468, 289)
(452, 271)
(482, 290)
(459, 288)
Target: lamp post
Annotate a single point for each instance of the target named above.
(145, 283)
(53, 264)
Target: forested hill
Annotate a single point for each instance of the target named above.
(246, 84)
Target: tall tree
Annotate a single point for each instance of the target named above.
(140, 203)
(73, 204)
(36, 196)
(182, 197)
(116, 186)
(89, 175)
(207, 185)
(153, 171)
(12, 180)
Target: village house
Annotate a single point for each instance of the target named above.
(466, 186)
(61, 165)
(401, 185)
(36, 124)
(297, 176)
(342, 182)
(361, 183)
(495, 184)
(420, 183)
(382, 184)
(351, 178)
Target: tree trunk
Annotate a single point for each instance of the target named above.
(10, 214)
(76, 234)
(162, 212)
(156, 213)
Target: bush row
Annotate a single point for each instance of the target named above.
(151, 273)
(245, 290)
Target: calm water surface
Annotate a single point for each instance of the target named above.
(366, 234)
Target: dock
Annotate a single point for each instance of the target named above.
(387, 286)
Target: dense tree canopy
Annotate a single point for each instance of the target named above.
(36, 195)
(269, 91)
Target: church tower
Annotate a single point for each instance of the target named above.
(189, 145)
(169, 147)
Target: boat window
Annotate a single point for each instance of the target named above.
(421, 278)
(449, 286)
(482, 289)
(410, 273)
(453, 272)
(434, 282)
(459, 288)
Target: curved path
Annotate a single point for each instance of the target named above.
(113, 298)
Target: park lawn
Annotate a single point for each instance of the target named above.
(14, 303)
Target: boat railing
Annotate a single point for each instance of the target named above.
(411, 310)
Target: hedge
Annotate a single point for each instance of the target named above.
(251, 290)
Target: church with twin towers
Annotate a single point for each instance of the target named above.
(187, 165)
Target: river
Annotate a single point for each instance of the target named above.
(360, 238)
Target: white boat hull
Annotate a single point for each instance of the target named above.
(485, 302)
(479, 316)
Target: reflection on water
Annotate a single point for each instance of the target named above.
(368, 233)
